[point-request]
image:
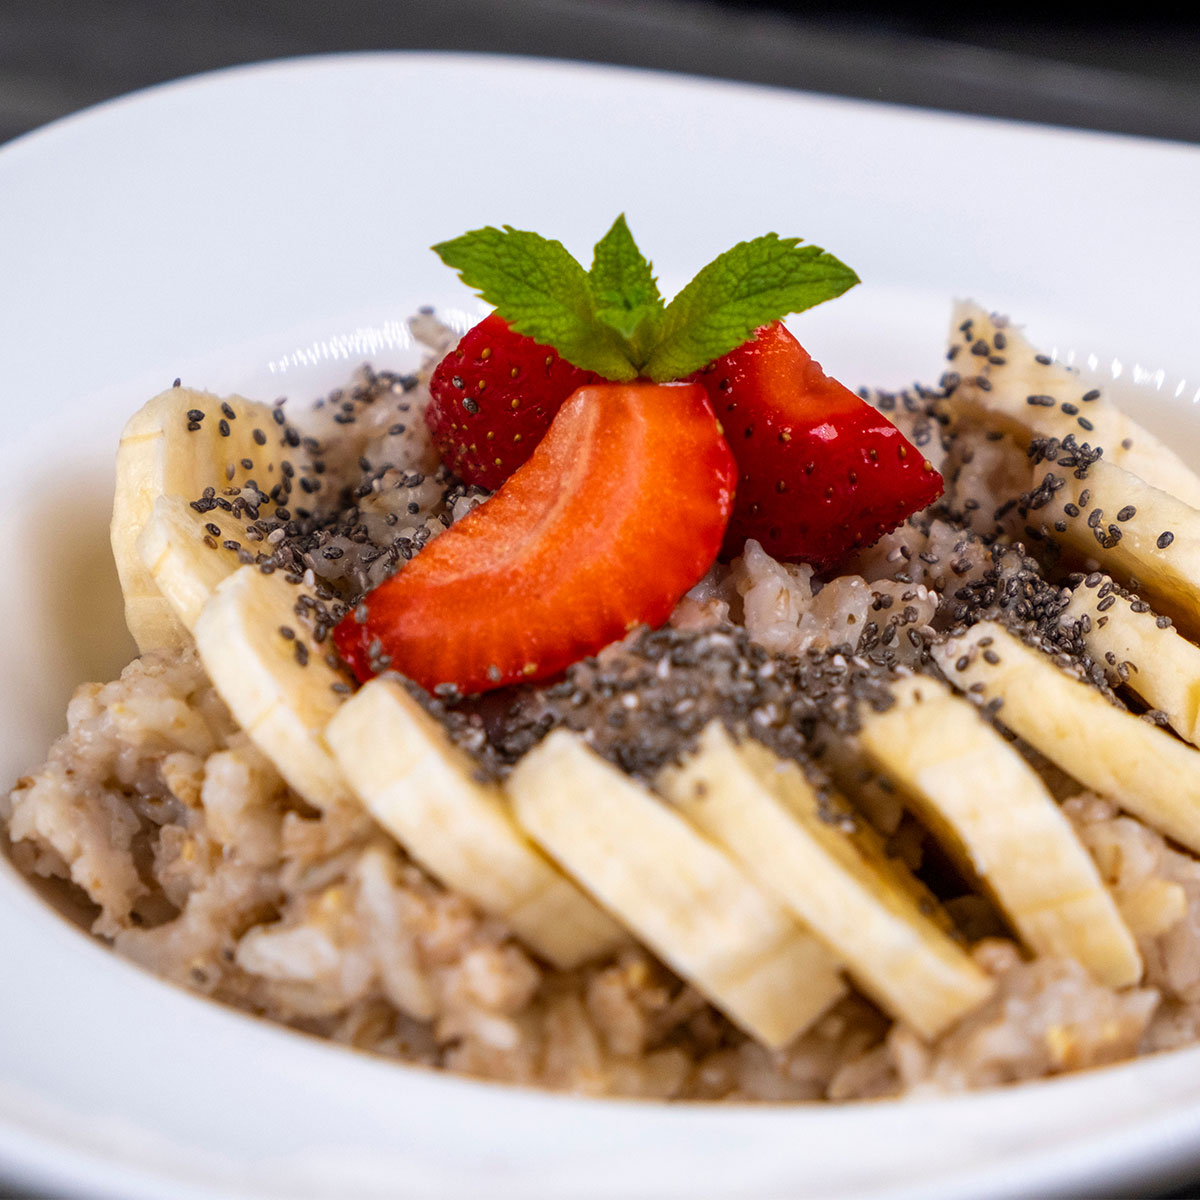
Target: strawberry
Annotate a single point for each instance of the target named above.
(620, 509)
(820, 471)
(493, 397)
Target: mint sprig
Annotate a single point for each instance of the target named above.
(625, 291)
(753, 284)
(613, 320)
(537, 286)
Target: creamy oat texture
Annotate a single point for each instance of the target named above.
(204, 868)
(187, 851)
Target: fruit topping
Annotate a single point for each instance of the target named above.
(493, 397)
(820, 472)
(621, 508)
(614, 497)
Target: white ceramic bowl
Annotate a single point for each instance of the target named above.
(264, 229)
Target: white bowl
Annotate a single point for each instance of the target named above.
(265, 229)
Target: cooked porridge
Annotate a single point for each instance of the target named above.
(921, 814)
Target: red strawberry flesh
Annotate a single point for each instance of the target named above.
(820, 472)
(493, 398)
(621, 508)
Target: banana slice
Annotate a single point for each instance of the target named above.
(186, 559)
(164, 452)
(1144, 536)
(280, 688)
(1163, 668)
(419, 786)
(994, 816)
(1144, 769)
(1027, 395)
(682, 895)
(838, 881)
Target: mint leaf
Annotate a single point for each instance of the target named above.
(625, 291)
(753, 284)
(612, 320)
(620, 276)
(541, 291)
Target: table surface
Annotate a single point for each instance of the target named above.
(1031, 63)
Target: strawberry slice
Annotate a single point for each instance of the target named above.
(820, 471)
(620, 509)
(493, 398)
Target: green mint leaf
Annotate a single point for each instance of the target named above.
(625, 291)
(753, 284)
(620, 276)
(541, 291)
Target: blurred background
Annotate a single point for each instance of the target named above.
(1130, 71)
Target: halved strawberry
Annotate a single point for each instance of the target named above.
(820, 472)
(493, 398)
(620, 509)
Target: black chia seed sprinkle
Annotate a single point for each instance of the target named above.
(677, 681)
(642, 703)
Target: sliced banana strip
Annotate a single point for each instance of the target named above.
(682, 895)
(279, 688)
(419, 786)
(1144, 769)
(185, 558)
(1161, 667)
(1028, 395)
(1144, 536)
(994, 816)
(165, 452)
(837, 880)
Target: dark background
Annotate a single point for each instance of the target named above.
(1124, 71)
